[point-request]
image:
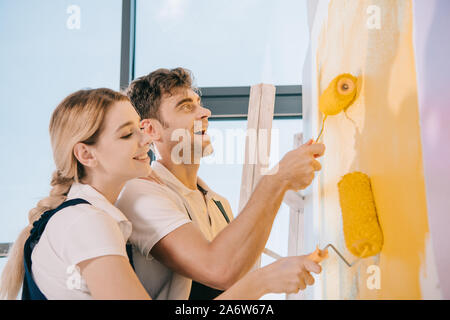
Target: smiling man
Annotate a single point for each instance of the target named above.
(184, 235)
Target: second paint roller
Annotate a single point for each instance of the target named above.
(362, 231)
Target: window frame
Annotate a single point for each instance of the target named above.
(231, 103)
(127, 46)
(225, 103)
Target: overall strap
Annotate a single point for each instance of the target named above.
(220, 206)
(129, 248)
(30, 290)
(217, 202)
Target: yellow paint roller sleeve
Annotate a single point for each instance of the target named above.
(362, 231)
(339, 95)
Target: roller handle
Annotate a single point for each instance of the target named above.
(318, 255)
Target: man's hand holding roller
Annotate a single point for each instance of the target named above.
(286, 275)
(298, 167)
(231, 254)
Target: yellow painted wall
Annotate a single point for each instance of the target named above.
(382, 139)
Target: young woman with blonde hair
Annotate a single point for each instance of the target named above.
(75, 243)
(97, 146)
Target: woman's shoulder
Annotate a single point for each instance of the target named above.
(83, 211)
(78, 218)
(81, 232)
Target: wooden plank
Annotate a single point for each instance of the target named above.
(251, 142)
(259, 126)
(260, 116)
(266, 110)
(295, 200)
(250, 146)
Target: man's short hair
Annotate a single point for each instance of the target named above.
(145, 92)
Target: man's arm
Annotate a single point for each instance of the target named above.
(286, 275)
(232, 253)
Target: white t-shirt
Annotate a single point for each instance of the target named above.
(75, 234)
(155, 211)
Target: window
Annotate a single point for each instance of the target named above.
(49, 49)
(224, 42)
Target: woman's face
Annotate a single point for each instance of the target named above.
(121, 150)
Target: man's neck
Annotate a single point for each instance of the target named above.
(186, 173)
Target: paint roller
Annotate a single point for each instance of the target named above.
(339, 95)
(362, 231)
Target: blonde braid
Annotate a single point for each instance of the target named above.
(13, 273)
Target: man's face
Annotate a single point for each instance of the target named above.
(185, 120)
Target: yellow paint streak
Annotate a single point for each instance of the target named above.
(382, 140)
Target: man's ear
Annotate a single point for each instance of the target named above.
(84, 155)
(153, 128)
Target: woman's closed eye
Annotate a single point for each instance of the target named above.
(127, 136)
